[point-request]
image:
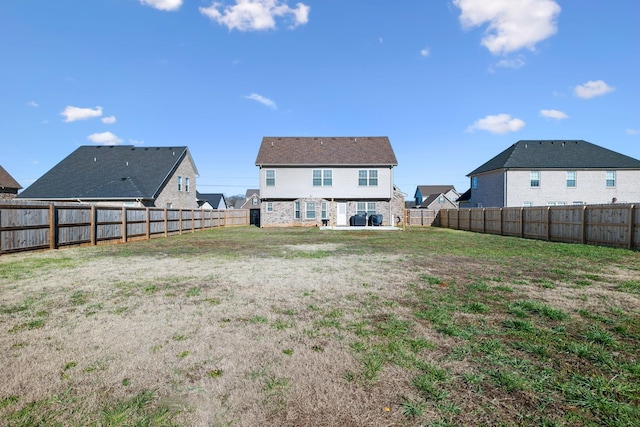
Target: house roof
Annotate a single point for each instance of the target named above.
(309, 151)
(213, 198)
(7, 181)
(557, 154)
(425, 190)
(109, 172)
(465, 197)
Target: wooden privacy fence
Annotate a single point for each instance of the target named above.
(424, 217)
(25, 227)
(603, 225)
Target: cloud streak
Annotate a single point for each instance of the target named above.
(592, 89)
(104, 138)
(166, 5)
(262, 100)
(554, 114)
(256, 15)
(498, 124)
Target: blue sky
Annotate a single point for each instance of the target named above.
(451, 82)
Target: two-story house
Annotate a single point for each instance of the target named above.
(121, 175)
(436, 197)
(309, 181)
(553, 173)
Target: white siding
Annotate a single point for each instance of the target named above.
(294, 183)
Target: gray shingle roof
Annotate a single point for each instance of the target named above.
(308, 151)
(108, 172)
(557, 154)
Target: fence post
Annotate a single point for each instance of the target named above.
(584, 225)
(193, 221)
(148, 211)
(548, 223)
(484, 223)
(180, 221)
(124, 225)
(94, 226)
(631, 226)
(521, 222)
(166, 222)
(52, 226)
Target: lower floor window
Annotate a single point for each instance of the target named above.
(296, 210)
(366, 208)
(269, 206)
(323, 209)
(310, 210)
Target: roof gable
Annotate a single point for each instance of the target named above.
(7, 181)
(302, 151)
(552, 154)
(109, 172)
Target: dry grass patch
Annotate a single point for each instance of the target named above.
(303, 327)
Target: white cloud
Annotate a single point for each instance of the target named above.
(33, 104)
(501, 123)
(168, 5)
(554, 114)
(136, 141)
(71, 114)
(512, 24)
(109, 120)
(255, 15)
(633, 132)
(262, 100)
(425, 52)
(515, 63)
(104, 138)
(592, 88)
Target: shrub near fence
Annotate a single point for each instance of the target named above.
(603, 225)
(25, 227)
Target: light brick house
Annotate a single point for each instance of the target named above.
(8, 186)
(436, 197)
(121, 175)
(309, 181)
(554, 173)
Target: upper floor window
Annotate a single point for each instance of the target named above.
(571, 179)
(474, 182)
(186, 184)
(179, 183)
(322, 178)
(441, 200)
(535, 179)
(270, 175)
(611, 178)
(368, 177)
(254, 201)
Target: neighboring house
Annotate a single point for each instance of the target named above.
(214, 201)
(121, 175)
(436, 197)
(8, 186)
(552, 173)
(252, 202)
(314, 180)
